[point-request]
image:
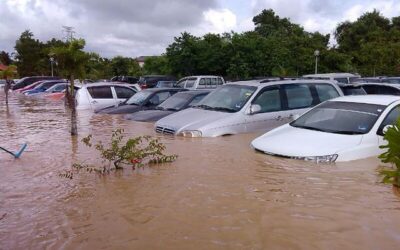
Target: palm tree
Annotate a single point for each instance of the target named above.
(71, 61)
(7, 74)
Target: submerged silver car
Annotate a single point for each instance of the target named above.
(248, 106)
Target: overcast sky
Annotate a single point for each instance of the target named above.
(145, 27)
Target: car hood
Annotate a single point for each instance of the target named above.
(192, 119)
(123, 109)
(290, 141)
(149, 115)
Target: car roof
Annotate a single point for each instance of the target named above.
(257, 83)
(333, 75)
(162, 89)
(94, 84)
(369, 99)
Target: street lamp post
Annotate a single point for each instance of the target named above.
(51, 63)
(316, 54)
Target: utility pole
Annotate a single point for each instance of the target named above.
(68, 32)
(316, 54)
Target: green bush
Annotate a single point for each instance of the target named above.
(392, 155)
(135, 152)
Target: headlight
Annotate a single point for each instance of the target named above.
(190, 133)
(319, 159)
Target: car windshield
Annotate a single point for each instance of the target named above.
(175, 102)
(139, 97)
(341, 118)
(353, 90)
(228, 98)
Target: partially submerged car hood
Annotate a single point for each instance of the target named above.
(292, 142)
(123, 109)
(148, 115)
(191, 119)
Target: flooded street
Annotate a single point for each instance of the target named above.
(218, 194)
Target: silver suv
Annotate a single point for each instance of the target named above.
(248, 106)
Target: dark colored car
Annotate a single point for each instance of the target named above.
(381, 89)
(127, 79)
(32, 79)
(150, 81)
(173, 104)
(352, 89)
(143, 100)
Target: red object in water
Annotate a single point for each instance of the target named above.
(135, 161)
(55, 96)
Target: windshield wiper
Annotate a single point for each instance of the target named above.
(202, 106)
(344, 132)
(160, 108)
(224, 109)
(172, 109)
(309, 127)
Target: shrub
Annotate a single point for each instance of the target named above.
(136, 152)
(392, 155)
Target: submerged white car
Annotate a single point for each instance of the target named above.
(343, 129)
(248, 106)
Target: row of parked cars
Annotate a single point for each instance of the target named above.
(310, 119)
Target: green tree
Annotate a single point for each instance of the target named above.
(157, 65)
(5, 58)
(372, 41)
(30, 55)
(71, 61)
(7, 74)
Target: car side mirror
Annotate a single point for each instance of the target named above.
(385, 129)
(254, 109)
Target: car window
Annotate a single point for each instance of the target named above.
(370, 89)
(100, 92)
(159, 97)
(181, 83)
(219, 81)
(202, 83)
(190, 82)
(269, 100)
(214, 82)
(298, 96)
(390, 119)
(342, 80)
(124, 93)
(326, 92)
(386, 90)
(196, 100)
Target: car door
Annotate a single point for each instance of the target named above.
(270, 100)
(122, 93)
(298, 99)
(100, 97)
(390, 119)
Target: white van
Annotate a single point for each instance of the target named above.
(104, 94)
(339, 77)
(200, 82)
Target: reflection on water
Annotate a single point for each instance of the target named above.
(218, 194)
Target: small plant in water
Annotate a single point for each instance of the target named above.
(135, 152)
(392, 155)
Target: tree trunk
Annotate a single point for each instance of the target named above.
(6, 88)
(71, 103)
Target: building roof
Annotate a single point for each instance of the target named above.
(141, 58)
(3, 67)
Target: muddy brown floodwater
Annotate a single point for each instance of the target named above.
(219, 194)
